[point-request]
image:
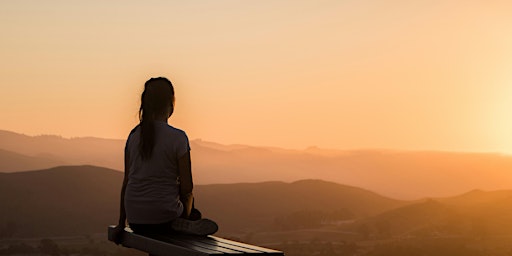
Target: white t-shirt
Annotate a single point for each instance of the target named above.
(152, 192)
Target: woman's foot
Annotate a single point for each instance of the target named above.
(200, 227)
(195, 214)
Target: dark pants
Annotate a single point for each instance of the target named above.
(162, 228)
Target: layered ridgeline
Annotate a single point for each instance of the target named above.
(51, 151)
(78, 200)
(397, 174)
(81, 200)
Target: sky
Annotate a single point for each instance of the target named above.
(397, 74)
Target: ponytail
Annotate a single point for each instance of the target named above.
(157, 97)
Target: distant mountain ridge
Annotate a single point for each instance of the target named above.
(75, 200)
(81, 200)
(75, 151)
(397, 174)
(14, 162)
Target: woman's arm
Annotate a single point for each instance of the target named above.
(122, 213)
(186, 184)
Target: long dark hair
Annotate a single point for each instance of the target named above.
(156, 99)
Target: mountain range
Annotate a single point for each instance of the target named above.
(76, 200)
(81, 200)
(397, 174)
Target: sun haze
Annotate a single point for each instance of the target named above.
(335, 74)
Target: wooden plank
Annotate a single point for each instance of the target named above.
(194, 241)
(210, 250)
(156, 247)
(187, 245)
(211, 241)
(248, 246)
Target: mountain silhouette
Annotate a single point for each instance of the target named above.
(78, 200)
(75, 151)
(64, 200)
(257, 206)
(14, 162)
(397, 174)
(83, 200)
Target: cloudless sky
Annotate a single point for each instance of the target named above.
(426, 74)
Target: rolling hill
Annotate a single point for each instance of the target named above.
(258, 206)
(64, 200)
(78, 200)
(74, 151)
(397, 174)
(472, 215)
(82, 200)
(14, 162)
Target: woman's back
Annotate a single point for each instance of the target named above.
(153, 192)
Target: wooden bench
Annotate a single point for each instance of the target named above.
(187, 245)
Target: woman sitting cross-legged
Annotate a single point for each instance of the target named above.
(156, 196)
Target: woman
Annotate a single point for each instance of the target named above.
(156, 196)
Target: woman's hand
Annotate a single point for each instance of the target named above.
(117, 234)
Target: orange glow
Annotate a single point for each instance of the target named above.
(350, 74)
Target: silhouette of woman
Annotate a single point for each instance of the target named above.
(156, 196)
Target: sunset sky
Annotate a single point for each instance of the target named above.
(399, 74)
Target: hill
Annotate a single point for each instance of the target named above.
(75, 151)
(397, 174)
(409, 220)
(78, 200)
(65, 200)
(276, 205)
(475, 215)
(14, 162)
(301, 218)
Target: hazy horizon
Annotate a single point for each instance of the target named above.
(269, 146)
(394, 173)
(421, 75)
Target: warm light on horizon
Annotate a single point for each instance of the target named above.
(418, 75)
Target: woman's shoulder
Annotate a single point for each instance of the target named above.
(132, 133)
(171, 130)
(133, 130)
